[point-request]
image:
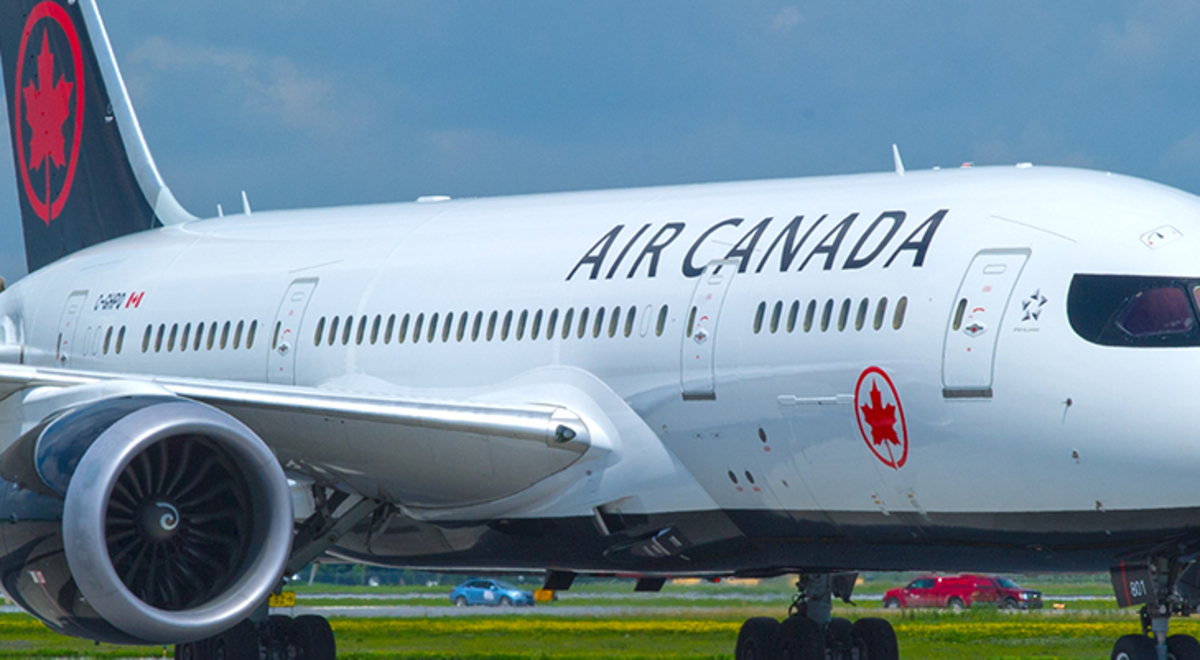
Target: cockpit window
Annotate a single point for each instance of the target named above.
(1128, 310)
(1161, 311)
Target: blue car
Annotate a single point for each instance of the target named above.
(489, 592)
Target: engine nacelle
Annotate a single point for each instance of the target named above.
(142, 520)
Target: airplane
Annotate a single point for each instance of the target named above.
(985, 369)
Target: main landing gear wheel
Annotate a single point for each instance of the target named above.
(305, 637)
(312, 638)
(839, 639)
(1134, 647)
(799, 638)
(1183, 647)
(875, 639)
(756, 639)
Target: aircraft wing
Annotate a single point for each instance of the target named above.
(419, 452)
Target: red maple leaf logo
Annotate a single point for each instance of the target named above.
(881, 418)
(47, 107)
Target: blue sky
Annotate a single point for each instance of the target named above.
(304, 103)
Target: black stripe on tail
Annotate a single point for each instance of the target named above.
(74, 178)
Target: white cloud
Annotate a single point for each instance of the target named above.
(269, 86)
(786, 19)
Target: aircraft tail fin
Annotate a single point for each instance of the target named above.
(84, 174)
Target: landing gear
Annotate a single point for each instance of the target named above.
(1165, 587)
(278, 638)
(811, 632)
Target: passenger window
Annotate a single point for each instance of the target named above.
(567, 319)
(225, 334)
(145, 339)
(476, 326)
(212, 336)
(507, 326)
(537, 325)
(524, 319)
(662, 321)
(809, 315)
(583, 319)
(598, 326)
(320, 332)
(389, 329)
(492, 325)
(691, 324)
(107, 339)
(375, 328)
(347, 330)
(827, 315)
(237, 334)
(844, 315)
(250, 337)
(447, 327)
(403, 331)
(462, 325)
(121, 340)
(183, 338)
(898, 317)
(793, 313)
(158, 339)
(880, 313)
(552, 323)
(861, 318)
(614, 322)
(358, 336)
(417, 325)
(758, 318)
(433, 326)
(629, 320)
(333, 331)
(776, 312)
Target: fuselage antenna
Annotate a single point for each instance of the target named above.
(896, 159)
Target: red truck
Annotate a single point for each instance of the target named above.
(960, 591)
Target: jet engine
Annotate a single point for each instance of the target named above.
(142, 520)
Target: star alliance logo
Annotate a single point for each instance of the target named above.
(1032, 306)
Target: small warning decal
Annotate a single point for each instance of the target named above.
(881, 417)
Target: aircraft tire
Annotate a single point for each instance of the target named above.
(238, 643)
(1183, 647)
(756, 639)
(877, 638)
(1134, 647)
(799, 638)
(313, 638)
(839, 637)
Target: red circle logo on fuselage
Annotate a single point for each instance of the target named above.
(881, 417)
(48, 112)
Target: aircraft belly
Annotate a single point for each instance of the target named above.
(773, 543)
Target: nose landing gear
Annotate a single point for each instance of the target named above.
(1165, 587)
(811, 632)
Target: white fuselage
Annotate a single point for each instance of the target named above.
(1022, 417)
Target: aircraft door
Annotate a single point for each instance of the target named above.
(68, 326)
(281, 363)
(974, 325)
(700, 330)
